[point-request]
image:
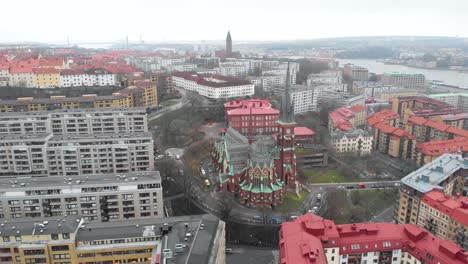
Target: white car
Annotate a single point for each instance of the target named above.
(177, 157)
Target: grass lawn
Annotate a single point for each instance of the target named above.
(291, 201)
(358, 205)
(327, 176)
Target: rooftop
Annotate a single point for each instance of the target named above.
(303, 132)
(30, 183)
(437, 126)
(439, 147)
(448, 94)
(383, 116)
(304, 241)
(455, 207)
(40, 226)
(431, 175)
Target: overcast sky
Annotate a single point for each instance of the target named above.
(194, 20)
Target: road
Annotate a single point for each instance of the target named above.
(181, 103)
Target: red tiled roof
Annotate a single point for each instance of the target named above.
(20, 70)
(253, 111)
(339, 122)
(45, 71)
(304, 241)
(455, 207)
(382, 116)
(303, 132)
(253, 106)
(439, 147)
(388, 129)
(438, 126)
(358, 108)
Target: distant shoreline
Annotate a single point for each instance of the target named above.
(412, 66)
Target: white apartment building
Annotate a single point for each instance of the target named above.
(75, 122)
(215, 87)
(413, 81)
(281, 70)
(165, 63)
(356, 141)
(232, 70)
(4, 76)
(182, 67)
(304, 98)
(268, 82)
(98, 198)
(96, 77)
(459, 100)
(325, 77)
(65, 155)
(22, 77)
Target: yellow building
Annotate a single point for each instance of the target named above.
(142, 94)
(389, 95)
(47, 77)
(59, 240)
(445, 173)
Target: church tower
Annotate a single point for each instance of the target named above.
(228, 44)
(286, 141)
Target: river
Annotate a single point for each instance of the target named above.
(448, 77)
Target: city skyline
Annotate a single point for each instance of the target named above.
(180, 20)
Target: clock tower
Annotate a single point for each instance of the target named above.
(286, 166)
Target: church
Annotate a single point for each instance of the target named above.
(258, 169)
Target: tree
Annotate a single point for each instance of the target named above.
(307, 67)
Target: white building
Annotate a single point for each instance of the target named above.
(72, 155)
(4, 76)
(98, 198)
(75, 121)
(214, 86)
(304, 98)
(181, 67)
(23, 77)
(268, 82)
(356, 141)
(459, 100)
(237, 69)
(325, 77)
(94, 77)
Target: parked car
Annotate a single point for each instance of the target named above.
(177, 157)
(361, 185)
(275, 220)
(229, 251)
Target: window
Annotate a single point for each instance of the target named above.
(6, 239)
(18, 238)
(54, 236)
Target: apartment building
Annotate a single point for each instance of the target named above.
(356, 73)
(304, 98)
(268, 82)
(325, 77)
(214, 86)
(97, 197)
(311, 239)
(458, 100)
(426, 152)
(400, 104)
(164, 84)
(68, 155)
(91, 77)
(446, 173)
(445, 216)
(393, 141)
(345, 119)
(426, 130)
(412, 81)
(46, 77)
(59, 240)
(454, 120)
(252, 116)
(4, 76)
(388, 95)
(23, 77)
(357, 142)
(142, 94)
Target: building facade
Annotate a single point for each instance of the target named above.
(97, 198)
(446, 173)
(186, 239)
(357, 142)
(304, 98)
(445, 216)
(355, 72)
(47, 77)
(311, 239)
(458, 100)
(412, 81)
(252, 116)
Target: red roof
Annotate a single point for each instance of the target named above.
(303, 132)
(20, 70)
(388, 129)
(439, 147)
(454, 207)
(383, 116)
(437, 126)
(45, 71)
(252, 106)
(339, 121)
(358, 108)
(51, 62)
(304, 241)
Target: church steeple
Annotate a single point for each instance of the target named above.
(228, 44)
(286, 108)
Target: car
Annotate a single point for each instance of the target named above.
(181, 172)
(203, 172)
(229, 251)
(257, 218)
(361, 185)
(170, 155)
(319, 196)
(177, 157)
(158, 157)
(293, 217)
(201, 163)
(207, 183)
(275, 220)
(340, 187)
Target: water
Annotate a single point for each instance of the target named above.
(448, 77)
